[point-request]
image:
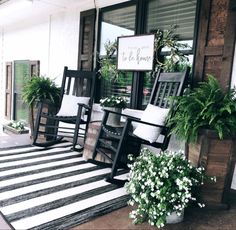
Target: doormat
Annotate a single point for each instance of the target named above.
(54, 188)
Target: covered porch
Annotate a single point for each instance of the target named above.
(30, 199)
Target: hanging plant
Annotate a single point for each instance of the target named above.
(107, 63)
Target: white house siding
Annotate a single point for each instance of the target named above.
(52, 38)
(63, 43)
(26, 43)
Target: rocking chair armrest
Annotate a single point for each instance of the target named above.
(130, 119)
(121, 114)
(84, 105)
(135, 119)
(110, 111)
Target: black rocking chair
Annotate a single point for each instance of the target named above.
(71, 118)
(115, 143)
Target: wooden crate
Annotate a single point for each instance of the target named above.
(218, 157)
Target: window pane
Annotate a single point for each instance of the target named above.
(163, 13)
(121, 87)
(115, 23)
(21, 75)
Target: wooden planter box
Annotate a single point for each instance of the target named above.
(218, 157)
(9, 129)
(33, 116)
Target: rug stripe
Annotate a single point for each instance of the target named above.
(49, 184)
(38, 162)
(19, 150)
(42, 192)
(33, 154)
(38, 159)
(25, 213)
(67, 209)
(48, 166)
(59, 196)
(47, 179)
(54, 188)
(30, 203)
(42, 175)
(85, 215)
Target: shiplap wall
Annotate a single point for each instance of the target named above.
(53, 39)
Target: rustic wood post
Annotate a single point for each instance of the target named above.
(215, 41)
(214, 55)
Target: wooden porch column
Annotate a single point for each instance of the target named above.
(215, 41)
(214, 55)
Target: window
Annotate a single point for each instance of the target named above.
(17, 73)
(162, 14)
(132, 18)
(115, 23)
(21, 75)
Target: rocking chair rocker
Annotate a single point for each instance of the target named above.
(143, 130)
(71, 119)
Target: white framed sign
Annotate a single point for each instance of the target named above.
(135, 52)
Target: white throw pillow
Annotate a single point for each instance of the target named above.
(155, 115)
(133, 113)
(69, 105)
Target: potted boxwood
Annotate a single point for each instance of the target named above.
(16, 127)
(39, 88)
(162, 186)
(205, 118)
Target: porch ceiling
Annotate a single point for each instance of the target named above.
(18, 11)
(3, 1)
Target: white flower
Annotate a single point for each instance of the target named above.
(201, 205)
(151, 186)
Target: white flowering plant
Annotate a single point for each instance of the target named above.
(162, 184)
(114, 101)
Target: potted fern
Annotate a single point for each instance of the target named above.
(206, 119)
(36, 89)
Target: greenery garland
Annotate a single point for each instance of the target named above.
(176, 61)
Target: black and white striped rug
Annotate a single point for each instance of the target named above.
(54, 188)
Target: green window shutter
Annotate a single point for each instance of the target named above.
(8, 91)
